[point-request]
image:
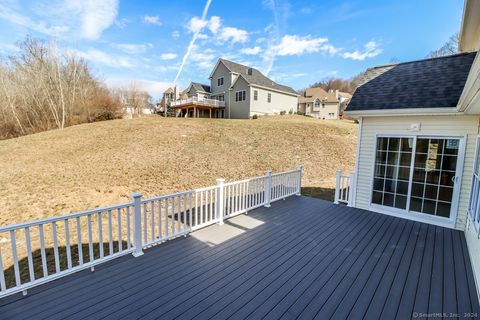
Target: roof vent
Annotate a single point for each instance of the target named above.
(250, 71)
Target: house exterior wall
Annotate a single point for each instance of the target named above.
(430, 125)
(325, 111)
(279, 102)
(240, 109)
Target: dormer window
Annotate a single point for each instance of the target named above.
(220, 82)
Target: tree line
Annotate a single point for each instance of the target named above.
(43, 87)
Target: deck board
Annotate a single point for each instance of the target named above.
(304, 258)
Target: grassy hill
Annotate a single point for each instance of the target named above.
(98, 164)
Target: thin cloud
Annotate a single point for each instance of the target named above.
(155, 20)
(97, 16)
(371, 49)
(168, 56)
(251, 51)
(291, 45)
(134, 48)
(192, 42)
(38, 26)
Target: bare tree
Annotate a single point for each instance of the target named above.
(44, 87)
(450, 47)
(134, 98)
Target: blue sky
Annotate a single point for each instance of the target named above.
(295, 42)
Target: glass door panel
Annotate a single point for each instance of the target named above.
(392, 171)
(416, 174)
(434, 176)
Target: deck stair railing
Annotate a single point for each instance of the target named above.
(37, 252)
(344, 188)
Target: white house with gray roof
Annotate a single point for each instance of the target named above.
(236, 91)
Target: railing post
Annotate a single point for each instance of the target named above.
(219, 200)
(337, 186)
(268, 188)
(351, 187)
(137, 224)
(299, 181)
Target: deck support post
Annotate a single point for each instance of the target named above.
(268, 188)
(299, 181)
(337, 186)
(137, 224)
(219, 200)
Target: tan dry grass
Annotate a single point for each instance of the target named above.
(92, 165)
(95, 165)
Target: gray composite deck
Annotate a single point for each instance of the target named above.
(301, 258)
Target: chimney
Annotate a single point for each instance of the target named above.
(250, 71)
(336, 93)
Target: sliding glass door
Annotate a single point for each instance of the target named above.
(416, 174)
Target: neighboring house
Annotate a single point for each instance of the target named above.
(169, 95)
(198, 90)
(237, 91)
(418, 153)
(320, 104)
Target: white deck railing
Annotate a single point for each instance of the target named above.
(37, 252)
(344, 188)
(196, 100)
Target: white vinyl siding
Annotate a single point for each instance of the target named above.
(279, 102)
(429, 125)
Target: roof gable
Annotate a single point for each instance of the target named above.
(253, 76)
(428, 83)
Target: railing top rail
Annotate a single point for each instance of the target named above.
(244, 180)
(205, 188)
(63, 217)
(177, 194)
(282, 173)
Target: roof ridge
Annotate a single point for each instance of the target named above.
(422, 60)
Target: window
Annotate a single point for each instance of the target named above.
(416, 174)
(317, 103)
(240, 96)
(255, 95)
(221, 97)
(331, 115)
(269, 98)
(220, 82)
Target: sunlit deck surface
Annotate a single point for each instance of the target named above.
(301, 258)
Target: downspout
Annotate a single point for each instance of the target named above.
(357, 160)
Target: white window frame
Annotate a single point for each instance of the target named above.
(269, 97)
(435, 220)
(255, 95)
(317, 101)
(218, 81)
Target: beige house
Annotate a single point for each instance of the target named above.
(320, 104)
(418, 153)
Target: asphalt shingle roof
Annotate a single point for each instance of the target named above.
(201, 87)
(429, 83)
(256, 77)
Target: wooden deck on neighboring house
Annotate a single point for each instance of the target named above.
(301, 258)
(199, 108)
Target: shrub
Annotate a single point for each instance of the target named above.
(283, 112)
(255, 116)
